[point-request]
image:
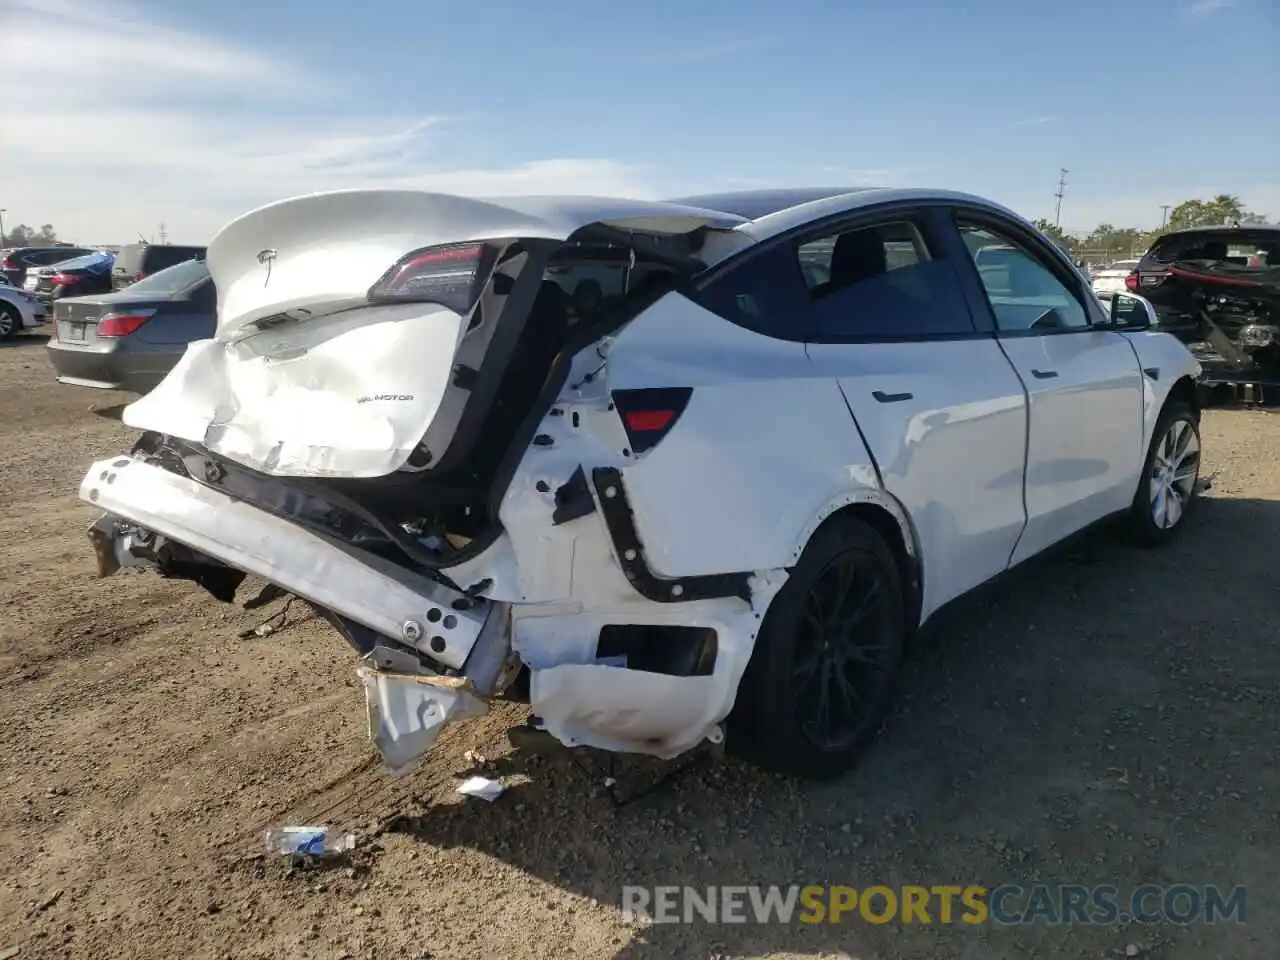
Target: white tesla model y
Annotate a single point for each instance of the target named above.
(669, 470)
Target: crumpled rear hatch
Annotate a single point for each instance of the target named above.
(349, 323)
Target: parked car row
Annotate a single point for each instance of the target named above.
(16, 261)
(121, 321)
(128, 339)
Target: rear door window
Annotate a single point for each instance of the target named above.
(173, 280)
(54, 255)
(882, 282)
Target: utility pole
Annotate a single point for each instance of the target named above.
(1062, 187)
(3, 211)
(1164, 214)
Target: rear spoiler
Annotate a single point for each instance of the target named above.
(330, 248)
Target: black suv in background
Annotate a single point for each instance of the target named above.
(138, 260)
(1229, 273)
(15, 261)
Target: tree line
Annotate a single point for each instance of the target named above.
(25, 236)
(1124, 241)
(1105, 238)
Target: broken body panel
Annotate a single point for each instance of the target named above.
(292, 446)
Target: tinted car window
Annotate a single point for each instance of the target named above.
(766, 292)
(882, 282)
(172, 280)
(54, 255)
(91, 261)
(1233, 245)
(1024, 293)
(874, 283)
(158, 258)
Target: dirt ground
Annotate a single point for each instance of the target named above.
(1106, 716)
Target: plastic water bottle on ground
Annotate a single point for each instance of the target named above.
(307, 841)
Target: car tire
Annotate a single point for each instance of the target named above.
(833, 636)
(1167, 487)
(10, 322)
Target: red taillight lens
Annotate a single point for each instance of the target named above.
(451, 276)
(64, 279)
(649, 415)
(122, 324)
(8, 264)
(1131, 282)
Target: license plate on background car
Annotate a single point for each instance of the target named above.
(30, 283)
(75, 331)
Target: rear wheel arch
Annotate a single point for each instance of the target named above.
(1184, 391)
(893, 524)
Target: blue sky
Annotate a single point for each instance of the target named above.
(1145, 103)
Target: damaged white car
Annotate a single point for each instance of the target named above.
(668, 470)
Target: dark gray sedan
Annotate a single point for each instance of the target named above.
(129, 340)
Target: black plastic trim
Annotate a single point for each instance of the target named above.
(573, 499)
(620, 522)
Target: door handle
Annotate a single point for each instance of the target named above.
(890, 397)
(1044, 374)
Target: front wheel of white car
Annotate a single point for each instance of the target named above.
(825, 660)
(1168, 486)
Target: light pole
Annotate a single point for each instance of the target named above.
(3, 211)
(1164, 214)
(1062, 188)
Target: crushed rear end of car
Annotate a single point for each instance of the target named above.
(379, 427)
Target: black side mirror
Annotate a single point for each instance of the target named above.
(1129, 312)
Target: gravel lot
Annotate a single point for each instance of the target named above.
(1107, 715)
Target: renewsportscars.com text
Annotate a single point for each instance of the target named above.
(971, 904)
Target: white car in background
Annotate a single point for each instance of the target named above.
(716, 498)
(1111, 278)
(19, 310)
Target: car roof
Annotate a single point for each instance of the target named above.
(83, 260)
(1226, 228)
(754, 204)
(796, 217)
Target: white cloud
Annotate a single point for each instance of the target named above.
(91, 142)
(1035, 122)
(711, 50)
(870, 176)
(1200, 9)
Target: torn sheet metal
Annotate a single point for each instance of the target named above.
(407, 712)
